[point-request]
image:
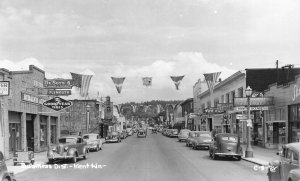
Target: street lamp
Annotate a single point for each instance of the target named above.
(88, 107)
(249, 150)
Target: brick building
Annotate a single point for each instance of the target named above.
(25, 122)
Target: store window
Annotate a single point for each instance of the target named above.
(14, 137)
(43, 133)
(294, 123)
(53, 131)
(240, 92)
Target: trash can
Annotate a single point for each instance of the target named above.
(274, 171)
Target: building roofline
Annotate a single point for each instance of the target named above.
(31, 69)
(224, 82)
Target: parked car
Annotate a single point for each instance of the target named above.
(93, 141)
(173, 133)
(288, 166)
(70, 147)
(23, 156)
(113, 137)
(141, 133)
(129, 131)
(191, 137)
(226, 145)
(123, 134)
(183, 134)
(203, 139)
(4, 174)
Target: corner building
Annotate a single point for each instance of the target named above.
(25, 123)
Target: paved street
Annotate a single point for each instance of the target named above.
(145, 159)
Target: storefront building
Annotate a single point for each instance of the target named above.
(222, 113)
(188, 108)
(26, 123)
(283, 121)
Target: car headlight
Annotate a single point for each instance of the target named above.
(66, 148)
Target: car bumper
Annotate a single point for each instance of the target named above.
(228, 154)
(92, 147)
(111, 141)
(203, 145)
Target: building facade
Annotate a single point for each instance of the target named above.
(187, 109)
(82, 117)
(25, 122)
(282, 123)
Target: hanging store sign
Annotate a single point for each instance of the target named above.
(244, 116)
(254, 101)
(58, 83)
(257, 108)
(59, 92)
(4, 88)
(57, 103)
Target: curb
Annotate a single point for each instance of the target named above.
(255, 162)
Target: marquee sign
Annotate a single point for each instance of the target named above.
(58, 83)
(254, 101)
(57, 103)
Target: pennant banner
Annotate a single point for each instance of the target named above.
(177, 80)
(133, 108)
(158, 108)
(118, 81)
(147, 81)
(211, 80)
(82, 82)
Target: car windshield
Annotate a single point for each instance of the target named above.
(67, 140)
(229, 138)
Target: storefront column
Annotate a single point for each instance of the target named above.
(57, 128)
(48, 130)
(23, 131)
(36, 133)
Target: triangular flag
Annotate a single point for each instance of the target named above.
(147, 81)
(118, 81)
(211, 79)
(177, 80)
(133, 108)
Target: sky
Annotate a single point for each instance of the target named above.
(153, 38)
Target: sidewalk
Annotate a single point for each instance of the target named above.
(40, 159)
(261, 156)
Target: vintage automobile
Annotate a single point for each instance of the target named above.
(183, 134)
(141, 133)
(113, 137)
(123, 134)
(4, 174)
(173, 133)
(93, 141)
(69, 148)
(287, 168)
(226, 145)
(190, 138)
(203, 139)
(23, 156)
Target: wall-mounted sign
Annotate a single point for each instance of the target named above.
(4, 88)
(257, 108)
(225, 106)
(296, 92)
(32, 98)
(254, 101)
(59, 92)
(57, 103)
(213, 110)
(244, 116)
(58, 83)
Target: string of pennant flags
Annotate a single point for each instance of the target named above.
(82, 82)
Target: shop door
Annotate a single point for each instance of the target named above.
(30, 135)
(209, 123)
(275, 133)
(12, 139)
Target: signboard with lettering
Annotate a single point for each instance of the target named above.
(254, 101)
(213, 110)
(244, 116)
(58, 83)
(4, 88)
(257, 108)
(32, 98)
(57, 103)
(59, 92)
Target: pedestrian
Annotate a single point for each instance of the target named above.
(214, 132)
